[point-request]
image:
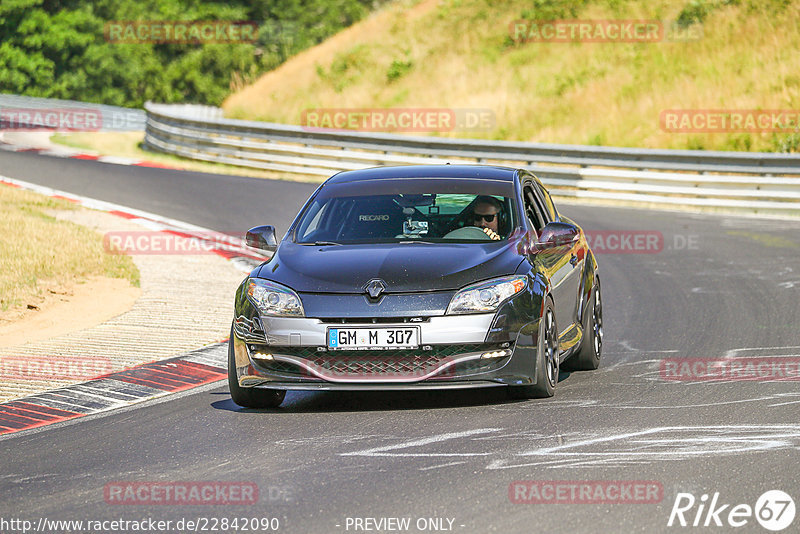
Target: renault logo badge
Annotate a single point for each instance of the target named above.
(374, 288)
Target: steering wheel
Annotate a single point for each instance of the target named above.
(467, 232)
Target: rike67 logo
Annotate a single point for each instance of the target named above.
(774, 510)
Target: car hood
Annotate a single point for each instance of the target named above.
(404, 268)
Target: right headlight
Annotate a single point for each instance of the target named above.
(274, 299)
(486, 296)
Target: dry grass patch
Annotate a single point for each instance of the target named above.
(40, 254)
(460, 54)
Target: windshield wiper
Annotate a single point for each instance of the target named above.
(416, 241)
(320, 244)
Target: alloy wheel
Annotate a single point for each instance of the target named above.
(551, 348)
(597, 322)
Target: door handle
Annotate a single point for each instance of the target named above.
(573, 260)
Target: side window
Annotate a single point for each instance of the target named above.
(533, 209)
(548, 202)
(537, 195)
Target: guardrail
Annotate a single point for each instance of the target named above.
(756, 182)
(105, 118)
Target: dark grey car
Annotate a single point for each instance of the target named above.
(386, 281)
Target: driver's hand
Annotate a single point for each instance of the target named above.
(491, 233)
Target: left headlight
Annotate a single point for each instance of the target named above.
(274, 299)
(486, 296)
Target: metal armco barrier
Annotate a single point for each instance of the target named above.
(108, 118)
(755, 182)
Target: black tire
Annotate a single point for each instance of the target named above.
(588, 356)
(250, 397)
(546, 360)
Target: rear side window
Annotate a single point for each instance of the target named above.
(533, 208)
(548, 202)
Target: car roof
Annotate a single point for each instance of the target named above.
(470, 172)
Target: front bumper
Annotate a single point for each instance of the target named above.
(451, 352)
(291, 353)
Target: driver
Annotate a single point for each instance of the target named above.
(486, 214)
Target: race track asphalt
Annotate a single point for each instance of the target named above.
(721, 287)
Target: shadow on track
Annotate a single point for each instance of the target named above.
(371, 401)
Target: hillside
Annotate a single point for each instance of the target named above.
(720, 54)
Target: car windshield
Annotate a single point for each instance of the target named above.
(468, 213)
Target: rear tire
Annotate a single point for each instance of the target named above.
(546, 360)
(250, 397)
(588, 356)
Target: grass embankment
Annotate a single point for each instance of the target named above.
(460, 54)
(38, 252)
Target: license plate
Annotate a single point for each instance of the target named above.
(405, 337)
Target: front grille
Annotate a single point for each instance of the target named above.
(281, 368)
(371, 364)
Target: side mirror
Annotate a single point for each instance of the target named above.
(262, 238)
(558, 234)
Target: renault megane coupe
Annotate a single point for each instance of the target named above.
(414, 278)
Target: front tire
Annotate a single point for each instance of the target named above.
(250, 397)
(588, 356)
(546, 360)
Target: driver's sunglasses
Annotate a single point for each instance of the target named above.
(487, 218)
